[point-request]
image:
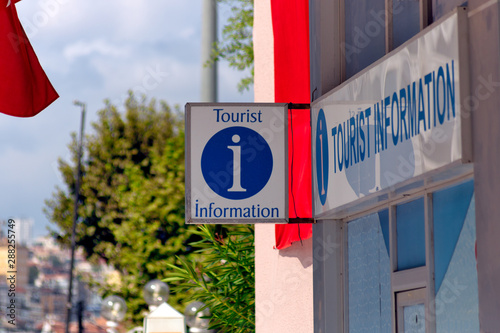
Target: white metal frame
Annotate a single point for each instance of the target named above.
(408, 298)
(189, 219)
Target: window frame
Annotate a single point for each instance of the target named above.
(409, 279)
(408, 298)
(425, 7)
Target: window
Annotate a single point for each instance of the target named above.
(364, 34)
(375, 27)
(410, 230)
(369, 289)
(411, 266)
(405, 20)
(456, 300)
(411, 311)
(441, 7)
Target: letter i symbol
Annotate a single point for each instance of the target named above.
(236, 166)
(322, 171)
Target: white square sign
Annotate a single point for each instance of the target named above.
(236, 163)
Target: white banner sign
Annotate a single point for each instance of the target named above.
(236, 163)
(397, 120)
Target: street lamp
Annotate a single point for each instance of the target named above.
(194, 318)
(69, 304)
(113, 309)
(156, 292)
(162, 318)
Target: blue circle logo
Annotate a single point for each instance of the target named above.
(322, 157)
(237, 163)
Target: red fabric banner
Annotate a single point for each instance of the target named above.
(291, 76)
(25, 90)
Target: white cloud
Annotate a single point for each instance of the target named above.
(99, 46)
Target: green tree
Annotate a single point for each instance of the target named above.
(236, 45)
(131, 209)
(223, 277)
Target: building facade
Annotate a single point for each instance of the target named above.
(20, 256)
(404, 99)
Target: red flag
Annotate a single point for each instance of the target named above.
(25, 90)
(291, 77)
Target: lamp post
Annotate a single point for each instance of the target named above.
(75, 214)
(194, 319)
(156, 292)
(208, 39)
(113, 309)
(162, 318)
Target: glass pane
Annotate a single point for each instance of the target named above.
(454, 259)
(405, 20)
(369, 274)
(410, 221)
(414, 318)
(441, 7)
(364, 34)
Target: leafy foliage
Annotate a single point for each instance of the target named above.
(131, 207)
(236, 45)
(223, 278)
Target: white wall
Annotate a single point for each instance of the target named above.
(283, 287)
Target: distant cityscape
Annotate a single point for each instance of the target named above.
(34, 297)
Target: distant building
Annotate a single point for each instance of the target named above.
(20, 263)
(24, 230)
(53, 303)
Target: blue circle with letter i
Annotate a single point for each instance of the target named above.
(322, 157)
(237, 163)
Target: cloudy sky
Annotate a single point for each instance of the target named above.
(94, 50)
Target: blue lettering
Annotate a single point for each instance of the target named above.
(234, 212)
(387, 119)
(428, 80)
(434, 94)
(412, 110)
(441, 111)
(357, 136)
(238, 117)
(352, 141)
(402, 111)
(218, 110)
(395, 134)
(362, 136)
(421, 107)
(450, 91)
(340, 140)
(368, 113)
(346, 144)
(379, 128)
(204, 209)
(334, 133)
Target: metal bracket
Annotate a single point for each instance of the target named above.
(299, 106)
(301, 220)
